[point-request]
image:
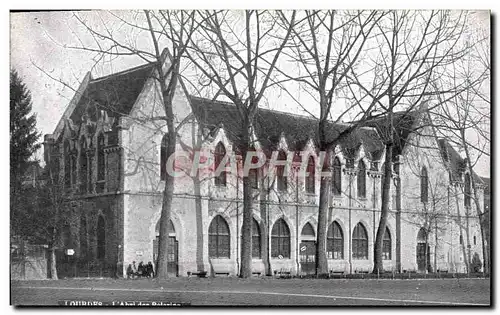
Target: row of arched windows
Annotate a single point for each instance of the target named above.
(219, 240)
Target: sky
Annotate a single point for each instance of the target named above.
(41, 40)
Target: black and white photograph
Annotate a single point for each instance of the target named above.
(253, 158)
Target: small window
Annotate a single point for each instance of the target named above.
(424, 185)
(461, 239)
(254, 178)
(311, 176)
(467, 190)
(280, 240)
(337, 177)
(67, 165)
(220, 153)
(335, 242)
(359, 242)
(163, 157)
(387, 245)
(361, 180)
(83, 165)
(282, 183)
(100, 157)
(256, 240)
(474, 240)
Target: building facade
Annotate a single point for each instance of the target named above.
(109, 150)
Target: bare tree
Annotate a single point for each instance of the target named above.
(464, 121)
(413, 49)
(229, 50)
(326, 46)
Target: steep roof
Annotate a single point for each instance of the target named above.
(115, 93)
(270, 125)
(456, 164)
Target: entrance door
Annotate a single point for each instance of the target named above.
(308, 257)
(307, 250)
(173, 250)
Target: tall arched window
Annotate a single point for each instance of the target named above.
(163, 157)
(387, 245)
(219, 238)
(101, 238)
(100, 157)
(359, 242)
(311, 176)
(67, 164)
(83, 165)
(83, 237)
(337, 177)
(280, 240)
(467, 190)
(361, 179)
(335, 242)
(424, 185)
(256, 240)
(220, 152)
(282, 182)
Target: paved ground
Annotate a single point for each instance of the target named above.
(257, 292)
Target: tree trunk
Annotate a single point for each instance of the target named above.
(324, 194)
(378, 266)
(168, 191)
(246, 229)
(264, 231)
(52, 263)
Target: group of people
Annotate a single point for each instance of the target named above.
(142, 270)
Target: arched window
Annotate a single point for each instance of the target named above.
(467, 190)
(67, 164)
(361, 179)
(100, 157)
(311, 176)
(255, 239)
(474, 240)
(461, 239)
(218, 238)
(337, 177)
(83, 237)
(387, 245)
(335, 242)
(163, 157)
(308, 231)
(101, 238)
(220, 152)
(424, 185)
(280, 240)
(359, 242)
(282, 183)
(83, 165)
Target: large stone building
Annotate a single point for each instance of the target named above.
(109, 150)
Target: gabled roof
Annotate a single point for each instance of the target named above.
(270, 125)
(456, 164)
(115, 93)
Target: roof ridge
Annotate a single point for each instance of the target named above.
(271, 110)
(123, 72)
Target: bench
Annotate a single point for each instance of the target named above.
(226, 273)
(283, 273)
(202, 274)
(256, 273)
